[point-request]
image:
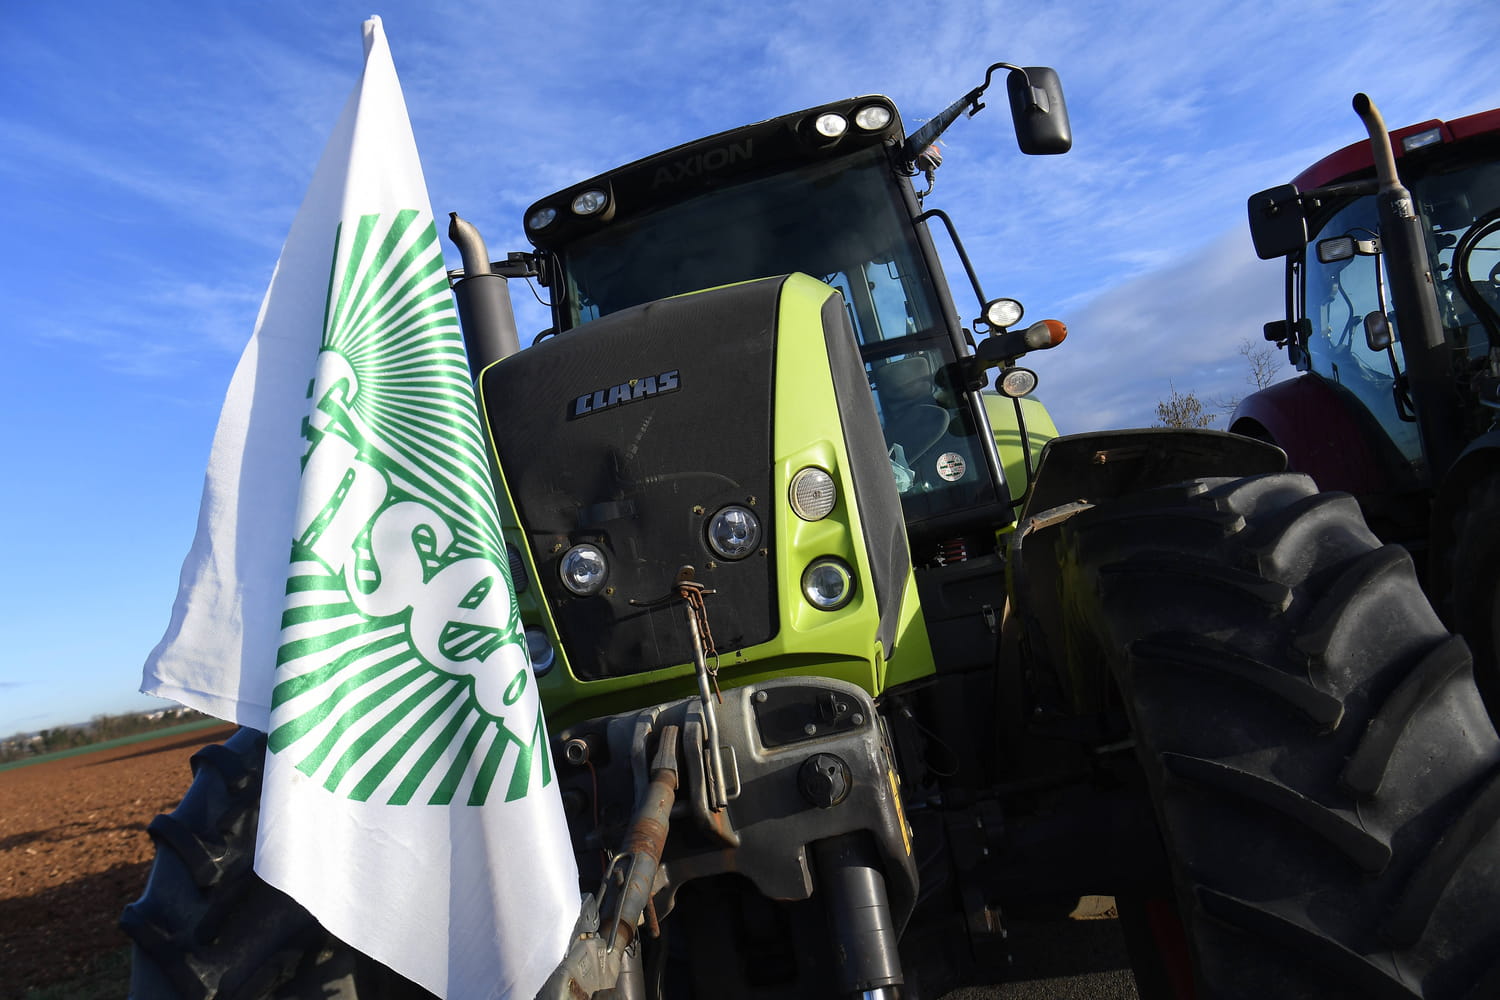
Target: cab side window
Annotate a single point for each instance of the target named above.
(1337, 296)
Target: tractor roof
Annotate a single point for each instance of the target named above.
(706, 163)
(1355, 159)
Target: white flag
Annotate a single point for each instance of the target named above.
(348, 593)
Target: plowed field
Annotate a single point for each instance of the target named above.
(74, 851)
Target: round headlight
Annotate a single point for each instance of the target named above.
(583, 569)
(590, 202)
(1017, 382)
(541, 218)
(734, 532)
(539, 648)
(828, 584)
(831, 125)
(872, 117)
(1003, 312)
(813, 493)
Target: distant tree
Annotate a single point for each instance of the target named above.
(96, 730)
(1264, 368)
(1182, 409)
(1185, 409)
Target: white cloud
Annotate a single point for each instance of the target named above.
(1180, 111)
(1180, 326)
(161, 328)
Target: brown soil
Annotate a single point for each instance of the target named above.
(74, 851)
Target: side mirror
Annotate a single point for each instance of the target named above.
(1292, 337)
(1277, 225)
(1377, 331)
(1038, 111)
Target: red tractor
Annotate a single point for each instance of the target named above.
(1392, 251)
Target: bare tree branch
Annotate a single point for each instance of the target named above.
(1263, 371)
(1183, 409)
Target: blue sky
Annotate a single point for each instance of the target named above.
(155, 155)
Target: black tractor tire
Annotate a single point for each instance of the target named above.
(1325, 776)
(1472, 603)
(208, 928)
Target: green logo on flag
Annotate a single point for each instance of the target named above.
(402, 666)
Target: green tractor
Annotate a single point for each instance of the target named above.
(841, 665)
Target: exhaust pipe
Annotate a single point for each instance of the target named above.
(484, 310)
(1418, 322)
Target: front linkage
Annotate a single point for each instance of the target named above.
(815, 812)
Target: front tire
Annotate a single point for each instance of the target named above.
(1326, 779)
(208, 928)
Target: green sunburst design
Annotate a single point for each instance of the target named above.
(356, 705)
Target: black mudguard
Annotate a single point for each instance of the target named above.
(1104, 465)
(1082, 471)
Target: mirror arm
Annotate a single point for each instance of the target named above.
(989, 75)
(938, 124)
(928, 134)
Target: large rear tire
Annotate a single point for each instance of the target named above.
(208, 928)
(1326, 779)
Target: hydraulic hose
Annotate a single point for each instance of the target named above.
(601, 947)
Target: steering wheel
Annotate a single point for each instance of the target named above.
(1484, 304)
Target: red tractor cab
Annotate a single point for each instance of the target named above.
(1392, 315)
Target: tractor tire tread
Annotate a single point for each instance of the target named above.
(1196, 653)
(1364, 848)
(207, 927)
(1324, 772)
(1367, 765)
(1363, 977)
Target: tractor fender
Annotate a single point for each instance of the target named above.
(1480, 459)
(1084, 471)
(1321, 434)
(1104, 465)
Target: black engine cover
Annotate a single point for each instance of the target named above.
(630, 433)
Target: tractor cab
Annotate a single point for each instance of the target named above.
(827, 193)
(1348, 323)
(1347, 296)
(1392, 314)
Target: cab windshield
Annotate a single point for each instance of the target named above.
(1449, 203)
(844, 222)
(839, 221)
